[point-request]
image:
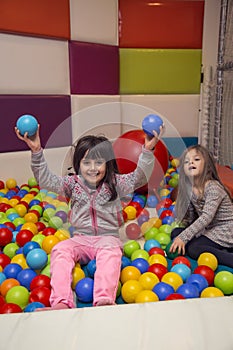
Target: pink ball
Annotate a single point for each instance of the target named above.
(133, 231)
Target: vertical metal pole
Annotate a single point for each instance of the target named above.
(219, 86)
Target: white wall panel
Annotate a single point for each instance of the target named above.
(94, 21)
(30, 65)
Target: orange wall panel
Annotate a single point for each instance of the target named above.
(35, 17)
(161, 24)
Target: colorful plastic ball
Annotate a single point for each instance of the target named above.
(49, 242)
(12, 270)
(163, 290)
(152, 122)
(208, 259)
(129, 273)
(141, 219)
(5, 236)
(25, 277)
(27, 123)
(131, 212)
(7, 284)
(127, 149)
(152, 201)
(173, 279)
(157, 259)
(23, 237)
(207, 272)
(183, 270)
(38, 238)
(18, 295)
(4, 260)
(37, 259)
(168, 220)
(40, 281)
(163, 238)
(125, 261)
(77, 275)
(29, 246)
(188, 290)
(156, 250)
(181, 260)
(10, 308)
(140, 200)
(11, 249)
(31, 307)
(49, 231)
(151, 233)
(199, 281)
(55, 222)
(130, 290)
(175, 296)
(2, 277)
(148, 280)
(11, 183)
(84, 290)
(211, 292)
(129, 247)
(133, 231)
(141, 264)
(145, 227)
(146, 296)
(31, 227)
(224, 281)
(140, 253)
(151, 243)
(19, 259)
(40, 294)
(91, 268)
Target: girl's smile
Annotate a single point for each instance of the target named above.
(93, 170)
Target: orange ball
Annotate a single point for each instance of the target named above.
(7, 284)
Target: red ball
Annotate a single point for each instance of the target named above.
(49, 231)
(137, 206)
(2, 185)
(2, 301)
(23, 236)
(158, 269)
(40, 281)
(207, 272)
(4, 260)
(156, 250)
(4, 207)
(40, 225)
(10, 225)
(6, 236)
(165, 213)
(10, 308)
(181, 260)
(127, 149)
(175, 296)
(133, 231)
(41, 294)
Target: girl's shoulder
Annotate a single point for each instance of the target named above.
(214, 185)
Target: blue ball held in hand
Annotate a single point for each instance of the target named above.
(151, 122)
(27, 123)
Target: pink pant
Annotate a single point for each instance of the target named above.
(107, 250)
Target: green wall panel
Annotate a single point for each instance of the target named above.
(160, 71)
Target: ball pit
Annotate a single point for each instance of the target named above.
(148, 272)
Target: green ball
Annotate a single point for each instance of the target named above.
(32, 182)
(18, 221)
(151, 233)
(169, 254)
(224, 281)
(38, 238)
(46, 270)
(163, 238)
(165, 229)
(18, 295)
(55, 222)
(37, 207)
(10, 249)
(140, 253)
(48, 213)
(130, 247)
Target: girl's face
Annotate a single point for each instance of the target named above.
(93, 170)
(193, 163)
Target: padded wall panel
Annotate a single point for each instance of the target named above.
(94, 68)
(90, 23)
(42, 18)
(180, 112)
(161, 24)
(32, 65)
(52, 112)
(96, 115)
(154, 71)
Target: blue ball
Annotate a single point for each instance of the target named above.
(37, 259)
(141, 264)
(27, 123)
(151, 122)
(199, 281)
(11, 270)
(151, 243)
(188, 290)
(152, 201)
(163, 290)
(25, 277)
(84, 290)
(125, 262)
(91, 267)
(30, 246)
(33, 306)
(183, 270)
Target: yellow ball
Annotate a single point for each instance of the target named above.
(21, 209)
(62, 234)
(211, 292)
(129, 273)
(31, 217)
(146, 226)
(148, 280)
(157, 259)
(13, 202)
(146, 296)
(11, 183)
(131, 212)
(49, 242)
(20, 260)
(208, 259)
(173, 279)
(77, 275)
(130, 290)
(31, 227)
(175, 162)
(156, 222)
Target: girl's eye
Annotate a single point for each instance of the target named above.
(99, 162)
(186, 161)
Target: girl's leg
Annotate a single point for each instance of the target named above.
(203, 244)
(176, 232)
(63, 258)
(108, 267)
